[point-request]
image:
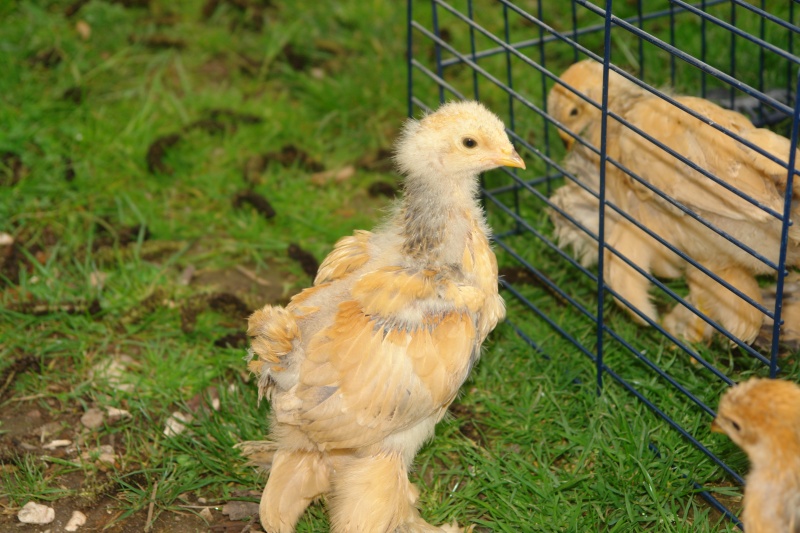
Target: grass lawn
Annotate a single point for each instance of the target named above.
(168, 167)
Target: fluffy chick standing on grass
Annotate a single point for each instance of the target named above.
(762, 416)
(360, 367)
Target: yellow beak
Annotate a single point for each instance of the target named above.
(716, 428)
(510, 160)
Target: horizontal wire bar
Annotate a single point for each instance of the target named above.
(438, 79)
(544, 316)
(701, 360)
(766, 15)
(688, 58)
(529, 43)
(737, 31)
(714, 502)
(533, 344)
(697, 444)
(700, 489)
(624, 383)
(763, 309)
(529, 183)
(630, 348)
(543, 279)
(658, 283)
(739, 244)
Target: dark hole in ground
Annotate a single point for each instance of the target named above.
(291, 154)
(378, 161)
(256, 201)
(519, 275)
(308, 262)
(469, 425)
(108, 234)
(158, 151)
(382, 188)
(11, 168)
(48, 58)
(158, 41)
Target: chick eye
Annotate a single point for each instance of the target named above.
(469, 142)
(736, 426)
(573, 111)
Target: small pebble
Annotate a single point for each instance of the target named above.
(77, 520)
(115, 415)
(59, 443)
(176, 424)
(36, 513)
(93, 418)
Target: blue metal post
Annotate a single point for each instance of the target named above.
(438, 49)
(472, 49)
(787, 206)
(601, 234)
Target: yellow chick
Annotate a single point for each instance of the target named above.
(762, 416)
(735, 164)
(360, 367)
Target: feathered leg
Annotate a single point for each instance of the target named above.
(732, 313)
(373, 495)
(296, 477)
(638, 247)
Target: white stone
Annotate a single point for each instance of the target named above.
(93, 418)
(115, 415)
(77, 520)
(176, 424)
(36, 513)
(59, 443)
(103, 454)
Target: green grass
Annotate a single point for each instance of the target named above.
(530, 446)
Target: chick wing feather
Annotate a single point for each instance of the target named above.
(703, 145)
(348, 255)
(362, 381)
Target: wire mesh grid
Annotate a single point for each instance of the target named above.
(736, 54)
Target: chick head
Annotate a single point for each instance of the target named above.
(573, 111)
(760, 416)
(458, 139)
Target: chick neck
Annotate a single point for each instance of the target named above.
(437, 216)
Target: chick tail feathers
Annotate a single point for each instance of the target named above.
(273, 334)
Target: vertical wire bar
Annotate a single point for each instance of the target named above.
(507, 36)
(543, 78)
(601, 237)
(787, 206)
(761, 59)
(790, 49)
(732, 71)
(472, 49)
(511, 121)
(641, 41)
(703, 50)
(410, 55)
(672, 42)
(575, 31)
(438, 49)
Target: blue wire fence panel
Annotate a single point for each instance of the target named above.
(681, 120)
